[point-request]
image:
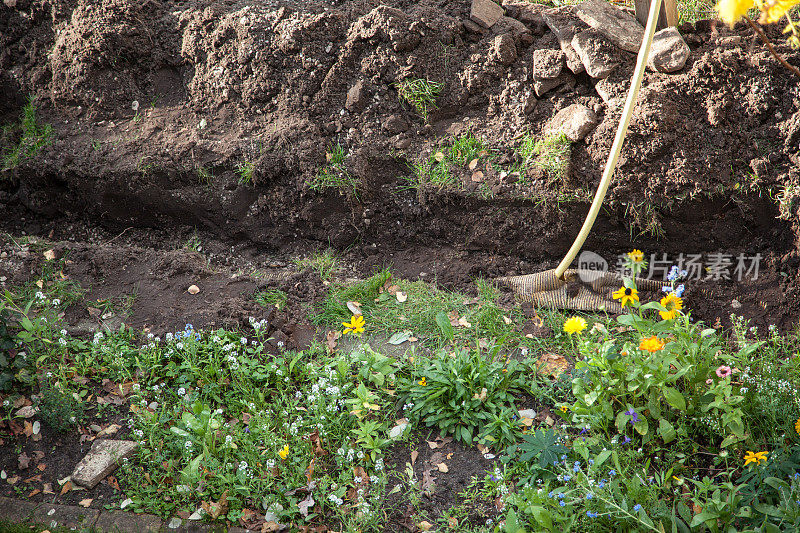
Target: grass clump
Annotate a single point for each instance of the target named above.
(272, 298)
(420, 94)
(323, 263)
(552, 155)
(335, 174)
(245, 170)
(33, 137)
(438, 170)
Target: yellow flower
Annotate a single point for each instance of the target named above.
(564, 408)
(636, 256)
(797, 426)
(626, 295)
(575, 324)
(423, 382)
(673, 305)
(731, 11)
(284, 452)
(773, 10)
(355, 326)
(653, 344)
(756, 458)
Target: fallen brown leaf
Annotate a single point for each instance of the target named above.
(49, 255)
(23, 461)
(193, 289)
(86, 502)
(425, 525)
(414, 455)
(66, 488)
(473, 164)
(442, 468)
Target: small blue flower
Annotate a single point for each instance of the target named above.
(491, 476)
(591, 514)
(589, 496)
(666, 288)
(576, 468)
(637, 508)
(564, 457)
(566, 478)
(602, 483)
(625, 439)
(632, 413)
(679, 290)
(561, 503)
(591, 462)
(560, 495)
(551, 494)
(612, 473)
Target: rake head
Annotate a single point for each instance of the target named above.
(579, 290)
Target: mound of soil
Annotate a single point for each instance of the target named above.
(156, 107)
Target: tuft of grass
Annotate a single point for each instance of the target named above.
(421, 94)
(553, 154)
(194, 244)
(271, 298)
(333, 308)
(33, 137)
(335, 174)
(205, 175)
(245, 169)
(435, 171)
(323, 263)
(787, 200)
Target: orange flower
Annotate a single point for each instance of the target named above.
(653, 344)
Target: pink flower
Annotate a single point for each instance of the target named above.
(723, 371)
(709, 381)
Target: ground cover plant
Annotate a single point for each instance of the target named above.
(659, 423)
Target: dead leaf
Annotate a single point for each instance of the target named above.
(40, 283)
(193, 289)
(33, 479)
(109, 430)
(49, 255)
(330, 340)
(432, 444)
(436, 458)
(12, 480)
(427, 481)
(442, 468)
(41, 466)
(452, 522)
(473, 164)
(414, 455)
(477, 176)
(354, 307)
(316, 443)
(549, 421)
(23, 461)
(305, 504)
(47, 488)
(463, 322)
(66, 488)
(438, 157)
(94, 312)
(86, 502)
(425, 525)
(506, 320)
(34, 492)
(271, 527)
(401, 296)
(26, 412)
(217, 509)
(113, 483)
(552, 364)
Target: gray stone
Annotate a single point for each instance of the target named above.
(16, 511)
(548, 64)
(668, 52)
(485, 12)
(356, 97)
(574, 121)
(102, 459)
(63, 516)
(597, 54)
(620, 27)
(564, 26)
(614, 88)
(543, 86)
(503, 49)
(473, 27)
(395, 124)
(122, 522)
(511, 24)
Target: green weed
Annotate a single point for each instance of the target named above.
(33, 137)
(245, 170)
(323, 263)
(421, 94)
(335, 174)
(553, 155)
(272, 298)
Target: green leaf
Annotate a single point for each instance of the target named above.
(512, 523)
(443, 321)
(666, 430)
(703, 517)
(674, 398)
